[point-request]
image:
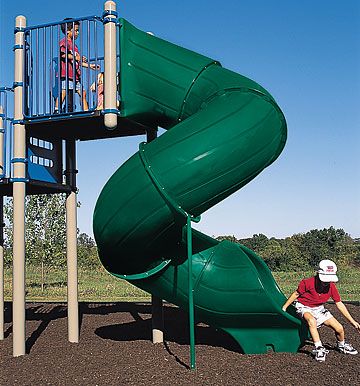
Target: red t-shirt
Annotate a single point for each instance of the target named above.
(311, 298)
(70, 65)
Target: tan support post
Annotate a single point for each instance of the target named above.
(19, 174)
(72, 287)
(71, 244)
(2, 134)
(156, 303)
(2, 268)
(110, 103)
(157, 319)
(1, 228)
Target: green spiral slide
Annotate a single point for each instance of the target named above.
(223, 129)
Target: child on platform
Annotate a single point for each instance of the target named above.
(100, 90)
(310, 296)
(70, 62)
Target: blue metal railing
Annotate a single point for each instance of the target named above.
(64, 65)
(6, 131)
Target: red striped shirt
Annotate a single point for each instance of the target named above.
(70, 65)
(310, 297)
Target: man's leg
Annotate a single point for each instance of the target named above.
(311, 321)
(319, 352)
(70, 100)
(63, 95)
(85, 104)
(343, 347)
(337, 327)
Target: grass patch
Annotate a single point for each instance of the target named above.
(96, 285)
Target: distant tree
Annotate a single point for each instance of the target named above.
(293, 257)
(257, 243)
(229, 238)
(305, 250)
(331, 243)
(272, 254)
(357, 256)
(87, 251)
(45, 230)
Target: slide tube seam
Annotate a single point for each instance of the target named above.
(181, 111)
(173, 205)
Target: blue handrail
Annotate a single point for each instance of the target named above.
(70, 20)
(63, 68)
(7, 131)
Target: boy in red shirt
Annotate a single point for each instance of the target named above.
(68, 52)
(310, 296)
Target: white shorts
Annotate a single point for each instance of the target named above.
(320, 313)
(70, 85)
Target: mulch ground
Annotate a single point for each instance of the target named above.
(115, 349)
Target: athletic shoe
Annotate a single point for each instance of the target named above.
(347, 349)
(320, 353)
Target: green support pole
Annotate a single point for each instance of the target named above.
(191, 294)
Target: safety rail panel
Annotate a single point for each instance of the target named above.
(45, 159)
(5, 132)
(64, 64)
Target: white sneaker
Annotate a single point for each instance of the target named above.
(320, 353)
(346, 348)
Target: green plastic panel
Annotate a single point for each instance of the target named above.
(223, 130)
(146, 60)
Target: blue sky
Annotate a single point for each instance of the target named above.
(306, 54)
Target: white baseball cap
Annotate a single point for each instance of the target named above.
(327, 271)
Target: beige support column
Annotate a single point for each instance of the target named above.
(157, 319)
(71, 244)
(2, 268)
(110, 103)
(19, 174)
(2, 137)
(71, 250)
(2, 171)
(156, 303)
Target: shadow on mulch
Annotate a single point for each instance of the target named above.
(175, 320)
(115, 349)
(176, 330)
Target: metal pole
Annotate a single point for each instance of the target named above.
(2, 143)
(2, 268)
(191, 294)
(19, 183)
(71, 244)
(156, 303)
(157, 319)
(110, 105)
(2, 172)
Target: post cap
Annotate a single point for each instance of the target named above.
(110, 5)
(20, 21)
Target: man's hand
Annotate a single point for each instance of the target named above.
(356, 325)
(291, 299)
(94, 66)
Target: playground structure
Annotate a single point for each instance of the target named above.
(222, 130)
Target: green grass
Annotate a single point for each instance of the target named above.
(96, 285)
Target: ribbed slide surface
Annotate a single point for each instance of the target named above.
(223, 130)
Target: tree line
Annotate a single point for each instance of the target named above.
(303, 251)
(46, 241)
